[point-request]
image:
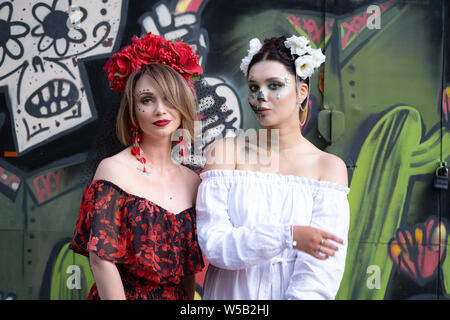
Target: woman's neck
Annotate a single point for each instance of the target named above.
(157, 152)
(286, 137)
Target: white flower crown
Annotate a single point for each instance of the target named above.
(308, 58)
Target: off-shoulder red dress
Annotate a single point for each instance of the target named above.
(152, 248)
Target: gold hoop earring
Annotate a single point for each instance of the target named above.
(302, 109)
(306, 116)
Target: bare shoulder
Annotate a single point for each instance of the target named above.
(111, 168)
(333, 169)
(191, 177)
(221, 155)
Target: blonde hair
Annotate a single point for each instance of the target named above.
(173, 87)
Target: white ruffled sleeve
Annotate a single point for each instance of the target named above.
(233, 247)
(315, 279)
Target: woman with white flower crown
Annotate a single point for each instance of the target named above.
(274, 231)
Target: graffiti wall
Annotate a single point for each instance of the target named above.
(381, 102)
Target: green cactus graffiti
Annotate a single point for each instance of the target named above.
(389, 157)
(446, 274)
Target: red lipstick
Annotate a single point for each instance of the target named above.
(161, 123)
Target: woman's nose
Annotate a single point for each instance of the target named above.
(160, 108)
(261, 96)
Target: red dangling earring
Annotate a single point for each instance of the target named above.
(183, 145)
(136, 150)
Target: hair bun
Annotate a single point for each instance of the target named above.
(277, 44)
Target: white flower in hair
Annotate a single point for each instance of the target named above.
(255, 46)
(318, 57)
(308, 58)
(304, 66)
(298, 45)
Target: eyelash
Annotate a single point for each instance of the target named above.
(272, 86)
(146, 99)
(276, 84)
(253, 88)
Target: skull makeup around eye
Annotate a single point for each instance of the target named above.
(275, 89)
(269, 89)
(271, 85)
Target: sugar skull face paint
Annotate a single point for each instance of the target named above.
(273, 84)
(272, 89)
(256, 109)
(261, 96)
(272, 93)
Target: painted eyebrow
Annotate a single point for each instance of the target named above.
(269, 79)
(275, 79)
(145, 92)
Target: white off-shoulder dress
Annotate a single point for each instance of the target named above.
(243, 225)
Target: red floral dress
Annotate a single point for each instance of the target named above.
(153, 249)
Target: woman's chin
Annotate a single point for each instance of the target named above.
(267, 121)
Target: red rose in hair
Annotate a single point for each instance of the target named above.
(152, 48)
(124, 64)
(187, 59)
(146, 49)
(119, 68)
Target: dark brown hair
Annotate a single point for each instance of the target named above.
(275, 50)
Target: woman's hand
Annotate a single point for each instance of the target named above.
(315, 242)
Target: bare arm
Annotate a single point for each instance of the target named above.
(107, 278)
(310, 239)
(192, 179)
(189, 286)
(106, 275)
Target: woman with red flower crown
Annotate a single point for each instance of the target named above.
(137, 220)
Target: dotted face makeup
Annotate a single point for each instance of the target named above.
(272, 89)
(139, 105)
(278, 86)
(256, 109)
(286, 81)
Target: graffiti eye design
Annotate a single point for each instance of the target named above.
(417, 251)
(43, 45)
(53, 98)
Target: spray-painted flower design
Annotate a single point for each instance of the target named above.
(55, 29)
(11, 31)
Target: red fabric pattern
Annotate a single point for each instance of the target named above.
(152, 248)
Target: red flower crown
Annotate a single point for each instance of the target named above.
(152, 48)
